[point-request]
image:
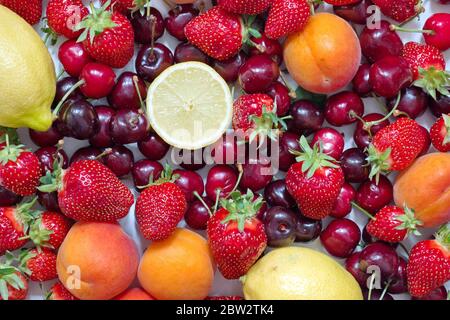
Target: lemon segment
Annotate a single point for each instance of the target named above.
(189, 105)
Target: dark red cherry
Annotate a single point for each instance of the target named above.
(382, 256)
(153, 147)
(280, 94)
(399, 282)
(190, 182)
(413, 102)
(47, 138)
(86, 153)
(341, 237)
(354, 164)
(77, 119)
(192, 160)
(148, 25)
(63, 86)
(364, 131)
(389, 75)
(49, 200)
(186, 52)
(73, 57)
(229, 69)
(124, 94)
(221, 179)
(373, 196)
(8, 198)
(256, 175)
(119, 160)
(356, 13)
(47, 157)
(352, 265)
(103, 139)
(128, 126)
(265, 45)
(306, 116)
(98, 80)
(288, 142)
(152, 61)
(342, 107)
(276, 194)
(197, 215)
(331, 141)
(440, 106)
(145, 169)
(178, 18)
(360, 82)
(307, 229)
(226, 150)
(258, 73)
(343, 204)
(280, 225)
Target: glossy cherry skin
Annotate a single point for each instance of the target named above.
(153, 147)
(186, 52)
(280, 224)
(440, 24)
(368, 238)
(128, 126)
(380, 255)
(229, 69)
(399, 282)
(331, 141)
(376, 295)
(288, 141)
(86, 153)
(144, 169)
(440, 106)
(307, 229)
(352, 265)
(265, 45)
(150, 62)
(258, 73)
(197, 215)
(372, 196)
(276, 194)
(98, 80)
(343, 204)
(47, 157)
(306, 116)
(47, 138)
(354, 164)
(389, 75)
(190, 182)
(377, 43)
(77, 119)
(144, 25)
(124, 94)
(49, 200)
(221, 179)
(437, 294)
(226, 149)
(256, 175)
(264, 207)
(413, 102)
(103, 139)
(340, 108)
(119, 160)
(194, 160)
(63, 86)
(360, 82)
(361, 136)
(8, 198)
(73, 57)
(340, 237)
(356, 13)
(280, 94)
(178, 18)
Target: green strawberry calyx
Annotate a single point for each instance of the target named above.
(10, 134)
(95, 23)
(8, 276)
(409, 221)
(312, 158)
(52, 180)
(25, 214)
(379, 162)
(10, 152)
(39, 234)
(167, 176)
(241, 208)
(447, 129)
(433, 80)
(443, 236)
(265, 124)
(249, 31)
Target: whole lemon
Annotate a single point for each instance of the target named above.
(27, 75)
(296, 273)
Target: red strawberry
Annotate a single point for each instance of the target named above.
(13, 284)
(341, 2)
(400, 10)
(251, 7)
(224, 298)
(89, 191)
(287, 16)
(64, 15)
(123, 6)
(30, 10)
(59, 292)
(107, 36)
(440, 133)
(160, 207)
(429, 264)
(428, 66)
(396, 146)
(49, 230)
(392, 224)
(236, 237)
(39, 265)
(314, 181)
(219, 33)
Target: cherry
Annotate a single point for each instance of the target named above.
(86, 153)
(354, 165)
(151, 61)
(307, 117)
(380, 255)
(331, 141)
(427, 143)
(186, 52)
(47, 157)
(343, 204)
(119, 160)
(376, 295)
(96, 80)
(47, 138)
(287, 142)
(265, 45)
(399, 281)
(197, 215)
(307, 229)
(77, 119)
(439, 24)
(124, 94)
(352, 265)
(280, 93)
(256, 175)
(380, 42)
(190, 182)
(372, 196)
(178, 18)
(366, 129)
(229, 69)
(258, 73)
(225, 150)
(102, 139)
(440, 106)
(368, 238)
(340, 237)
(128, 126)
(356, 13)
(73, 57)
(342, 107)
(153, 147)
(261, 214)
(280, 225)
(63, 86)
(221, 179)
(49, 200)
(413, 102)
(195, 161)
(437, 294)
(148, 26)
(144, 169)
(360, 82)
(276, 194)
(8, 198)
(389, 75)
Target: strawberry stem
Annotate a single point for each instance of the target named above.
(443, 235)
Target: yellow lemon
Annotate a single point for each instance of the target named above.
(296, 273)
(27, 75)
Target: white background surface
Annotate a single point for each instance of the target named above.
(222, 286)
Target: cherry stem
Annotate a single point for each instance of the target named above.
(241, 172)
(368, 125)
(372, 282)
(104, 153)
(292, 93)
(371, 217)
(401, 245)
(216, 204)
(66, 96)
(385, 289)
(136, 86)
(393, 27)
(203, 202)
(153, 30)
(60, 74)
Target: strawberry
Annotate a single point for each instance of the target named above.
(287, 16)
(59, 292)
(13, 284)
(225, 298)
(236, 237)
(428, 66)
(38, 264)
(341, 2)
(392, 224)
(64, 15)
(107, 36)
(440, 133)
(219, 33)
(20, 170)
(29, 10)
(400, 10)
(160, 207)
(314, 181)
(429, 264)
(396, 146)
(123, 6)
(251, 7)
(89, 191)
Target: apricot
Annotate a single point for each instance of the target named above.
(177, 268)
(134, 294)
(97, 260)
(325, 55)
(425, 187)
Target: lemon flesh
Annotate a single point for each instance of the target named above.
(27, 75)
(189, 105)
(297, 273)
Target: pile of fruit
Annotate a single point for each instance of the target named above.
(369, 188)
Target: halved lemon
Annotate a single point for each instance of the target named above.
(189, 105)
